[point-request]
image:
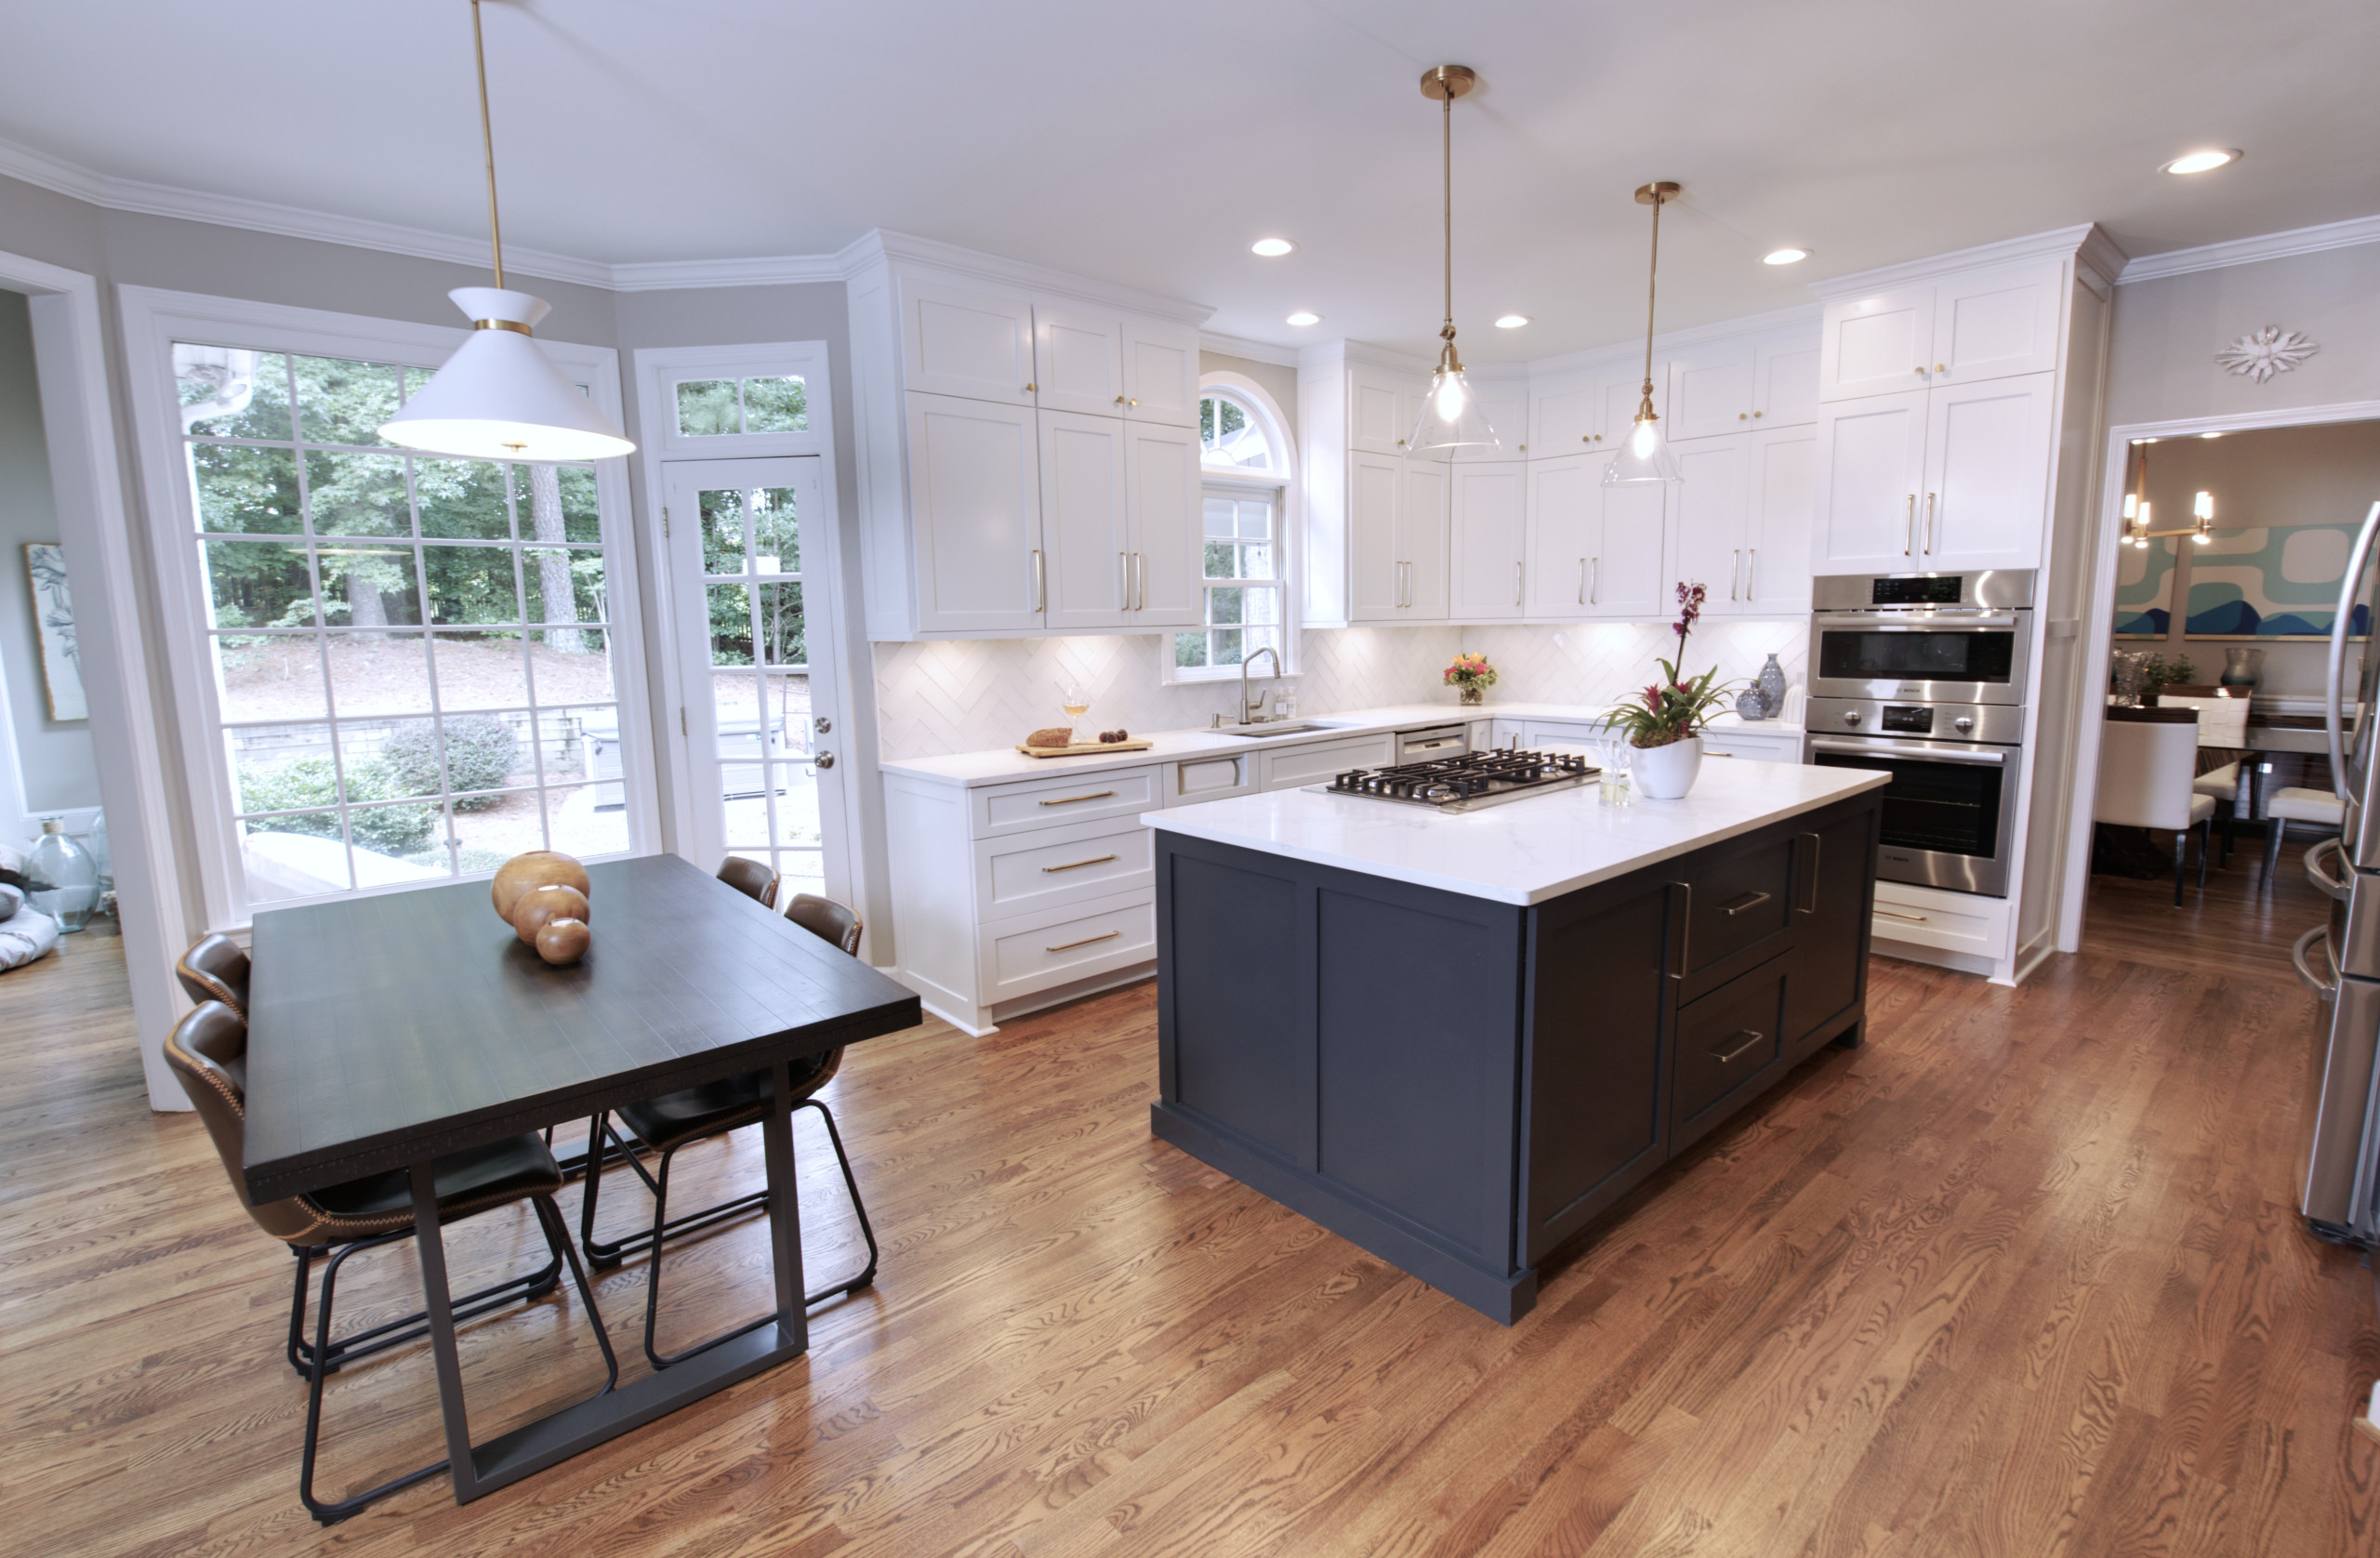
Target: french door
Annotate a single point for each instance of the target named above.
(750, 550)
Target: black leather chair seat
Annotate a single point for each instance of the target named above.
(478, 1177)
(701, 1109)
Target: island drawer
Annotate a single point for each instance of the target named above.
(1018, 873)
(1057, 947)
(1064, 799)
(1723, 1040)
(1743, 895)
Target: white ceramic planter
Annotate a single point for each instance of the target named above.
(1666, 773)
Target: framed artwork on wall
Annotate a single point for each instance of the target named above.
(2271, 584)
(2145, 590)
(61, 666)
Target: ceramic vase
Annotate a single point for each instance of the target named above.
(2243, 668)
(1771, 683)
(1667, 772)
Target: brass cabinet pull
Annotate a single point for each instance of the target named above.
(1516, 581)
(1813, 840)
(1752, 562)
(1684, 932)
(1912, 918)
(1070, 800)
(1594, 590)
(1929, 524)
(1908, 538)
(1070, 946)
(1040, 583)
(1582, 581)
(1135, 401)
(1081, 864)
(1735, 572)
(1749, 1038)
(1746, 904)
(1141, 570)
(1124, 567)
(1119, 400)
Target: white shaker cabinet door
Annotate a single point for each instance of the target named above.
(1996, 324)
(1167, 533)
(1710, 391)
(1870, 470)
(1490, 540)
(1162, 373)
(975, 513)
(955, 341)
(1713, 504)
(1380, 409)
(1785, 383)
(1078, 362)
(1634, 579)
(1565, 526)
(1777, 529)
(1504, 402)
(1375, 581)
(1876, 345)
(1986, 473)
(1425, 498)
(1083, 527)
(1564, 414)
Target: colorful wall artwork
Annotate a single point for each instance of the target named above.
(2278, 582)
(2145, 590)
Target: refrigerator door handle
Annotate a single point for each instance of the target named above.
(2348, 785)
(2324, 989)
(2338, 888)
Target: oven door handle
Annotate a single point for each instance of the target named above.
(1932, 622)
(1911, 748)
(2299, 954)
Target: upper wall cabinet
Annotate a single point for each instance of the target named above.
(1988, 324)
(1743, 385)
(1505, 401)
(1584, 410)
(1160, 373)
(1490, 513)
(958, 342)
(1077, 362)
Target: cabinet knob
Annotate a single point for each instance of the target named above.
(1919, 370)
(1032, 389)
(1963, 723)
(1756, 414)
(1523, 448)
(1851, 716)
(1401, 443)
(1598, 438)
(1119, 400)
(1741, 417)
(1940, 369)
(1133, 401)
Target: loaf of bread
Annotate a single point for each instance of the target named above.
(1056, 735)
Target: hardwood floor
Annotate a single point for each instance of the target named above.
(2020, 1278)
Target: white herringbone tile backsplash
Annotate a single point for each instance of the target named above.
(975, 695)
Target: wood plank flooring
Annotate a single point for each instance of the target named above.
(2022, 1276)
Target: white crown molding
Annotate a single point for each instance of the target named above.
(2247, 251)
(1254, 352)
(664, 275)
(974, 264)
(2057, 243)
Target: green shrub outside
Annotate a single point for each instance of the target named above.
(394, 830)
(481, 750)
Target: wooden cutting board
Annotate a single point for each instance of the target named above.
(1079, 748)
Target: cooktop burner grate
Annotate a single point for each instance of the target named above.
(1465, 783)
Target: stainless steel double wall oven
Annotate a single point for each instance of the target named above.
(1924, 676)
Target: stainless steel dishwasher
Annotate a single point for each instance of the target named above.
(1439, 741)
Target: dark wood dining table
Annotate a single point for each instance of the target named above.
(387, 1031)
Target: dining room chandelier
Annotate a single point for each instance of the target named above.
(1644, 455)
(2137, 518)
(499, 397)
(1450, 418)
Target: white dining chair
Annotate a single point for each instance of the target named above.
(2296, 805)
(2146, 772)
(2222, 786)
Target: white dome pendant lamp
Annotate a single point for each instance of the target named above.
(499, 397)
(1450, 418)
(1645, 455)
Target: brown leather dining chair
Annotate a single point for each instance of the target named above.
(674, 1120)
(207, 1051)
(751, 878)
(216, 970)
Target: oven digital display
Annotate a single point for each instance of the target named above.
(1908, 719)
(1943, 591)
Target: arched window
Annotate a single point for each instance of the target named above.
(1246, 601)
(1232, 435)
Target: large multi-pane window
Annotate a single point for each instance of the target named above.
(411, 654)
(1241, 605)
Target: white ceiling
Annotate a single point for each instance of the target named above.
(1149, 144)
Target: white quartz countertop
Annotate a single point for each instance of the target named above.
(1004, 764)
(1524, 851)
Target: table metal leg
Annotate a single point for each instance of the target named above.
(439, 1305)
(785, 1209)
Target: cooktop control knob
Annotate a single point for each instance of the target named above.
(1963, 723)
(1851, 716)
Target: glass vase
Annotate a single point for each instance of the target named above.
(72, 873)
(1471, 695)
(2242, 666)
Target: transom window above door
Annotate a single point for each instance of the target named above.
(733, 407)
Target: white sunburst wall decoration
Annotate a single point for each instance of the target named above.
(2261, 354)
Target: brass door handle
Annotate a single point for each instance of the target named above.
(1735, 572)
(1582, 581)
(1595, 589)
(1908, 538)
(1749, 1038)
(1070, 800)
(1079, 863)
(1752, 562)
(1040, 583)
(1518, 582)
(1141, 570)
(1929, 524)
(1070, 946)
(1746, 904)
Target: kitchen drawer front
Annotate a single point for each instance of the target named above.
(1759, 749)
(1019, 874)
(1309, 765)
(1726, 1039)
(1195, 779)
(1056, 946)
(1742, 896)
(1064, 799)
(1558, 733)
(1950, 921)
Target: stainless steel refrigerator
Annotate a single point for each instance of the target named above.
(2340, 960)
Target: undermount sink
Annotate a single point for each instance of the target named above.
(1276, 727)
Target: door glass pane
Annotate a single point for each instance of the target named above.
(722, 521)
(731, 623)
(784, 633)
(478, 670)
(368, 586)
(462, 500)
(343, 401)
(257, 584)
(471, 585)
(246, 490)
(231, 393)
(378, 673)
(777, 532)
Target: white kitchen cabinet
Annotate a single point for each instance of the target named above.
(1504, 402)
(1565, 523)
(961, 340)
(1077, 360)
(1590, 409)
(1490, 514)
(1632, 579)
(1160, 373)
(1710, 390)
(1376, 574)
(1777, 528)
(1382, 405)
(1785, 381)
(1876, 345)
(974, 478)
(1713, 511)
(1871, 468)
(1286, 767)
(1986, 473)
(1424, 494)
(1087, 555)
(1165, 536)
(1987, 323)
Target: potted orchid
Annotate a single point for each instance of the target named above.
(1664, 721)
(1471, 675)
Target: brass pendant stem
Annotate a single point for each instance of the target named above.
(487, 142)
(1445, 171)
(1652, 291)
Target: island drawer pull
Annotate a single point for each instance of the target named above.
(1749, 1038)
(1081, 864)
(1912, 918)
(1070, 946)
(1811, 873)
(1070, 800)
(1748, 902)
(1684, 932)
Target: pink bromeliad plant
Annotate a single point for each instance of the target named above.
(1673, 708)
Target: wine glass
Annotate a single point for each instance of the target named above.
(1075, 699)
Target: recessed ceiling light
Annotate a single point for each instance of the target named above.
(1272, 248)
(1511, 321)
(1784, 256)
(1304, 317)
(2210, 435)
(2204, 162)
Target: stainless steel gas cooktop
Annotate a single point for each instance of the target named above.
(1465, 783)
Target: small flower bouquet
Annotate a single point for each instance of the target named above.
(1471, 675)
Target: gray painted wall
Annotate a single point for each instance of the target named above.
(58, 770)
(2163, 367)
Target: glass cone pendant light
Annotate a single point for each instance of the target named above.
(499, 397)
(1644, 455)
(1450, 416)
